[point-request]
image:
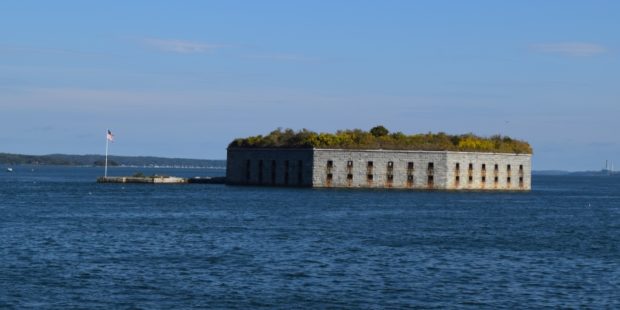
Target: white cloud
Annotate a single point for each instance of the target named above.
(180, 46)
(571, 48)
(282, 57)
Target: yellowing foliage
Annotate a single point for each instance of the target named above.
(380, 138)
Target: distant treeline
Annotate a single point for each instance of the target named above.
(98, 160)
(380, 138)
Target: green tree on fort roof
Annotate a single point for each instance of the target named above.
(379, 131)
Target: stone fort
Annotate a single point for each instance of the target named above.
(378, 168)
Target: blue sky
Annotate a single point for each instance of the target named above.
(184, 78)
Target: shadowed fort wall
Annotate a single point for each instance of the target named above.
(277, 167)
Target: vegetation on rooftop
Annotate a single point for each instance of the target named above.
(380, 138)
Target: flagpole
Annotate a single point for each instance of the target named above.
(107, 141)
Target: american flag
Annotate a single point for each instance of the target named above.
(110, 136)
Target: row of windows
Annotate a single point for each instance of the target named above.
(370, 177)
(274, 168)
(390, 178)
(410, 166)
(370, 164)
(483, 179)
(484, 167)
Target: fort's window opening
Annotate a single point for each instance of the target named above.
(330, 176)
(508, 180)
(330, 165)
(390, 164)
(247, 169)
(350, 163)
(300, 176)
(260, 171)
(369, 177)
(457, 166)
(471, 166)
(370, 164)
(484, 179)
(286, 172)
(410, 165)
(496, 179)
(496, 167)
(273, 172)
(471, 179)
(508, 167)
(484, 167)
(350, 176)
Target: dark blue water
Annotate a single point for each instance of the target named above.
(67, 242)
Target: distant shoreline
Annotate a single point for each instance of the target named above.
(601, 173)
(113, 161)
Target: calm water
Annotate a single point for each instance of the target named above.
(66, 242)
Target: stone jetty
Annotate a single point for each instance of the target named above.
(160, 179)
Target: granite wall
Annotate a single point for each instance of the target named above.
(379, 169)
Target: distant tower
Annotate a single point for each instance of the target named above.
(606, 170)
